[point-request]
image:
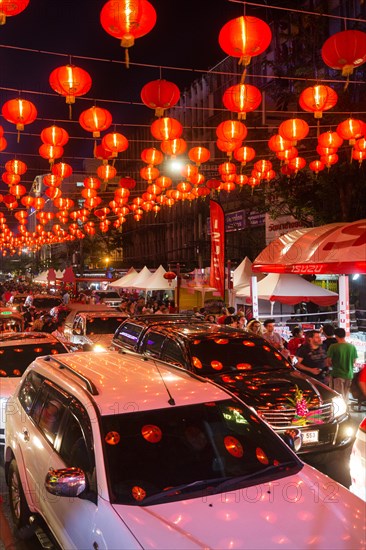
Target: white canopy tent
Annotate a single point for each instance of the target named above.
(157, 282)
(41, 278)
(243, 273)
(290, 289)
(126, 280)
(141, 279)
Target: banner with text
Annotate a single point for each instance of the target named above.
(217, 226)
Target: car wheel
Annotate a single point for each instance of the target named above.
(18, 505)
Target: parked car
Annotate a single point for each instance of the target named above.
(95, 327)
(76, 308)
(357, 462)
(251, 368)
(109, 298)
(17, 351)
(162, 459)
(45, 302)
(10, 320)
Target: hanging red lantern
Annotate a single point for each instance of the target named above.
(263, 165)
(89, 193)
(53, 192)
(317, 99)
(10, 179)
(20, 112)
(242, 99)
(115, 142)
(54, 135)
(293, 129)
(164, 182)
(230, 130)
(92, 183)
(330, 139)
(174, 147)
(62, 170)
(298, 163)
(244, 155)
(149, 173)
(277, 143)
(329, 160)
(166, 128)
(50, 180)
(287, 155)
(316, 166)
(16, 167)
(51, 152)
(345, 50)
(127, 182)
(360, 145)
(245, 37)
(199, 155)
(95, 120)
(189, 170)
(326, 150)
(106, 172)
(70, 82)
(351, 129)
(38, 203)
(241, 179)
(170, 276)
(152, 156)
(160, 95)
(103, 154)
(11, 8)
(127, 20)
(360, 156)
(196, 179)
(27, 201)
(17, 190)
(226, 168)
(10, 202)
(3, 143)
(228, 147)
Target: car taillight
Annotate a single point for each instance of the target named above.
(362, 426)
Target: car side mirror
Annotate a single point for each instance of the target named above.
(293, 439)
(66, 482)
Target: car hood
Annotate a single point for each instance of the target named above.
(264, 390)
(307, 510)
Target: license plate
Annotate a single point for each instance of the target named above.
(310, 437)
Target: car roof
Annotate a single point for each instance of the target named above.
(103, 313)
(26, 338)
(199, 329)
(8, 312)
(127, 383)
(153, 319)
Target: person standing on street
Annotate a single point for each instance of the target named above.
(311, 356)
(341, 359)
(274, 337)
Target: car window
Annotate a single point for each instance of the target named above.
(129, 334)
(29, 390)
(152, 343)
(103, 324)
(161, 454)
(173, 353)
(15, 359)
(46, 303)
(76, 446)
(48, 411)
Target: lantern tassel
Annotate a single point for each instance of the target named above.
(18, 136)
(70, 111)
(127, 58)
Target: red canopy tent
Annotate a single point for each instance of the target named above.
(336, 248)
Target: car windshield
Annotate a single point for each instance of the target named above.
(15, 359)
(211, 356)
(186, 452)
(103, 325)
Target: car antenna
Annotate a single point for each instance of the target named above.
(171, 400)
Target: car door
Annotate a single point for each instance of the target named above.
(39, 433)
(174, 354)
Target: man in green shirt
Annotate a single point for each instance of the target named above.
(341, 357)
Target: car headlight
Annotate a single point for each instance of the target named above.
(339, 406)
(98, 348)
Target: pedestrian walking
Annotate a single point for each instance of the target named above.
(341, 359)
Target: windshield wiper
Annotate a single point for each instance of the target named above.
(184, 488)
(263, 472)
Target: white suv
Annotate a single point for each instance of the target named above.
(111, 451)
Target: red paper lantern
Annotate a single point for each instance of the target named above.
(101, 153)
(164, 182)
(10, 179)
(50, 180)
(127, 182)
(27, 201)
(160, 95)
(149, 173)
(174, 147)
(351, 129)
(316, 166)
(329, 160)
(297, 164)
(152, 156)
(11, 8)
(62, 170)
(330, 139)
(359, 155)
(53, 192)
(242, 99)
(228, 147)
(127, 20)
(230, 130)
(54, 135)
(70, 81)
(106, 172)
(16, 167)
(345, 50)
(170, 276)
(3, 143)
(245, 37)
(317, 99)
(166, 128)
(199, 155)
(51, 152)
(17, 190)
(244, 155)
(115, 142)
(95, 120)
(293, 129)
(92, 183)
(20, 112)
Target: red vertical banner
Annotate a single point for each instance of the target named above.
(217, 225)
